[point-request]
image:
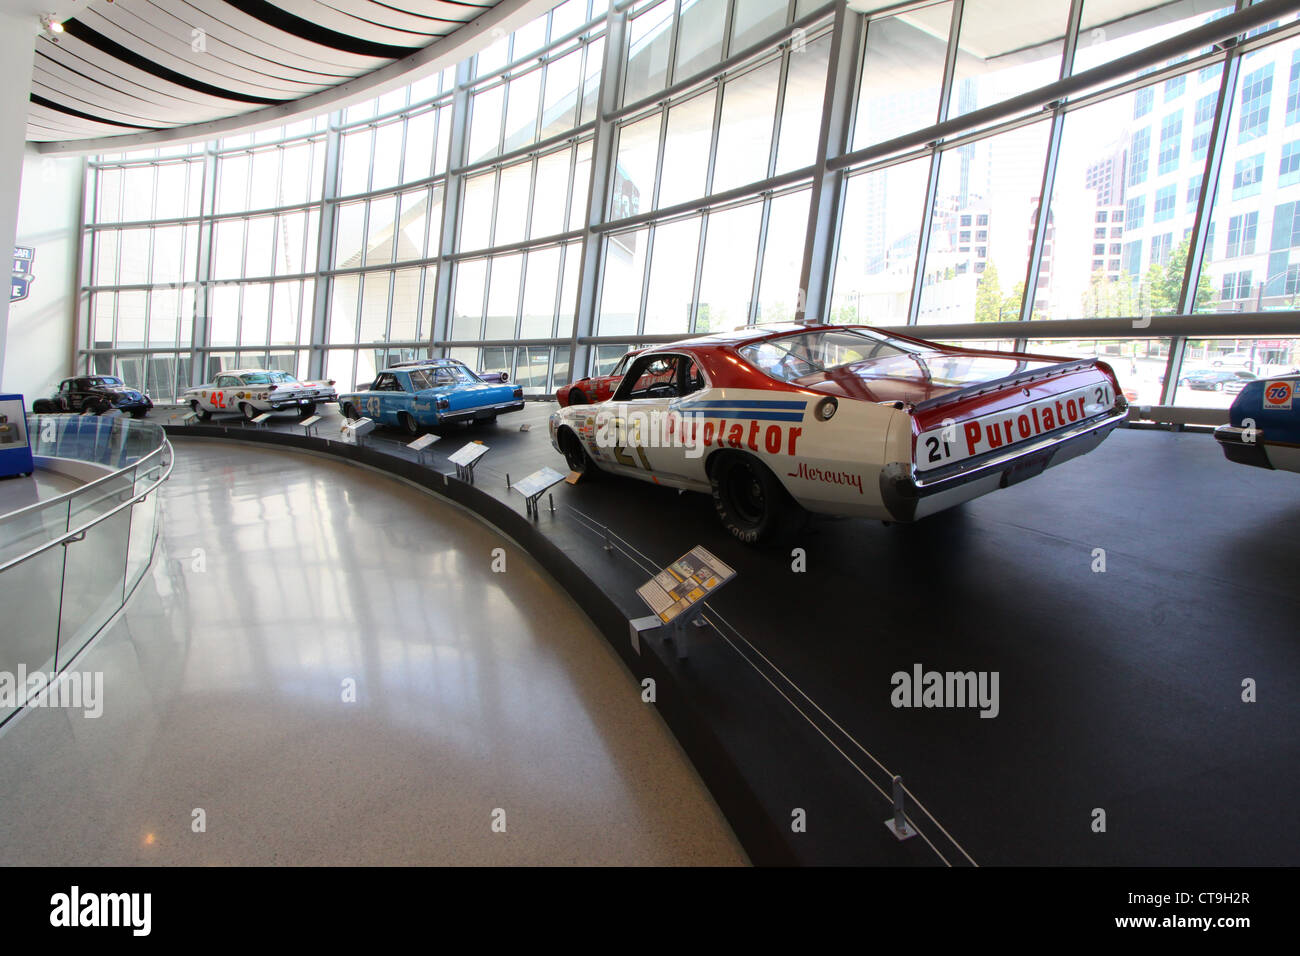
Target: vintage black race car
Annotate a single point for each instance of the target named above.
(95, 394)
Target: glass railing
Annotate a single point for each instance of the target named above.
(68, 563)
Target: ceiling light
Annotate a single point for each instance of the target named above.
(50, 25)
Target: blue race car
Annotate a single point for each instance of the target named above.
(432, 394)
(1264, 425)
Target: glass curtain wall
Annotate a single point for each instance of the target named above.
(457, 216)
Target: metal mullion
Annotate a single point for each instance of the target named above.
(659, 156)
(199, 331)
(835, 131)
(760, 255)
(932, 183)
(673, 42)
(324, 292)
(699, 274)
(1173, 366)
(1218, 146)
(599, 193)
(778, 113)
(558, 298)
(519, 296)
(1034, 267)
(1043, 216)
(715, 137)
(651, 231)
(728, 27)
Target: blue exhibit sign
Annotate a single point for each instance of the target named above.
(21, 283)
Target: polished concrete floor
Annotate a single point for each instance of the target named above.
(326, 666)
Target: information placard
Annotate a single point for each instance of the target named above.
(468, 454)
(538, 482)
(684, 583)
(423, 442)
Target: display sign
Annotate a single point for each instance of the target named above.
(15, 444)
(21, 282)
(308, 422)
(538, 482)
(684, 583)
(423, 442)
(468, 454)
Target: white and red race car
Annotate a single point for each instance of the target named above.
(250, 392)
(845, 420)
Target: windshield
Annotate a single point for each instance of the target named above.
(269, 378)
(443, 375)
(794, 356)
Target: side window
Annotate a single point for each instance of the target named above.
(444, 376)
(387, 383)
(692, 378)
(650, 376)
(66, 386)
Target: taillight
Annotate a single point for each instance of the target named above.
(443, 404)
(519, 393)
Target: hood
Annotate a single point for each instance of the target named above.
(918, 376)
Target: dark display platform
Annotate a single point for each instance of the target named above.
(1118, 690)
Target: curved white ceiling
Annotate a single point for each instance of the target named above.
(146, 70)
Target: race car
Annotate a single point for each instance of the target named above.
(777, 421)
(1264, 425)
(95, 394)
(253, 391)
(437, 392)
(596, 388)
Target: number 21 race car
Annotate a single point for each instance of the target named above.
(774, 421)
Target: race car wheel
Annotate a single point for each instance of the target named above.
(408, 423)
(199, 410)
(751, 502)
(98, 407)
(42, 406)
(249, 411)
(139, 412)
(350, 412)
(577, 397)
(306, 411)
(575, 456)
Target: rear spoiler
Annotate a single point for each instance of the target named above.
(1018, 378)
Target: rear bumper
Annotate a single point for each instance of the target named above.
(1237, 449)
(483, 411)
(909, 496)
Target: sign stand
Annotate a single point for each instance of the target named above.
(536, 485)
(898, 824)
(309, 424)
(260, 420)
(465, 458)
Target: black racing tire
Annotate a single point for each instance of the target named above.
(577, 397)
(248, 411)
(139, 412)
(306, 411)
(203, 414)
(575, 455)
(408, 423)
(43, 406)
(349, 411)
(98, 407)
(751, 501)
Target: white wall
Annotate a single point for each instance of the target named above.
(39, 345)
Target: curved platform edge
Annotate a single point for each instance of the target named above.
(766, 839)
